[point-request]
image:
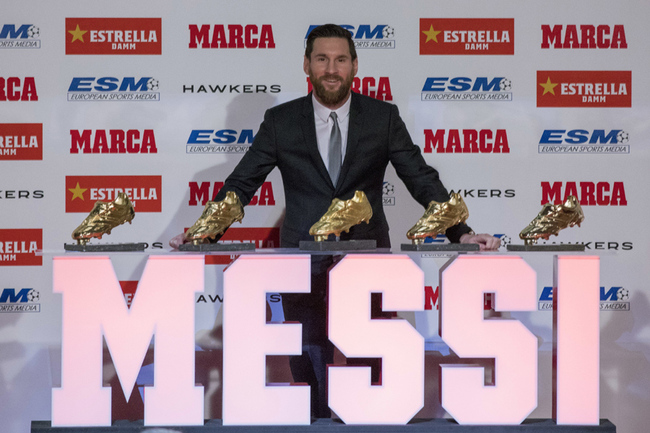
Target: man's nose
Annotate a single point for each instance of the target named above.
(331, 67)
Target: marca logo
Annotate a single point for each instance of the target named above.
(219, 141)
(467, 36)
(24, 36)
(583, 36)
(377, 88)
(467, 89)
(584, 88)
(588, 193)
(21, 141)
(466, 141)
(232, 88)
(145, 192)
(15, 89)
(113, 89)
(21, 301)
(596, 141)
(201, 193)
(18, 247)
(231, 36)
(614, 298)
(367, 36)
(112, 141)
(113, 36)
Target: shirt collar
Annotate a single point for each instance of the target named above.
(324, 113)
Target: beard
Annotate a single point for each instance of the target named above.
(334, 97)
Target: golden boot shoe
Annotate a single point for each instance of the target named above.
(103, 218)
(216, 218)
(438, 218)
(553, 218)
(341, 215)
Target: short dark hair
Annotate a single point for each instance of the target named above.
(329, 31)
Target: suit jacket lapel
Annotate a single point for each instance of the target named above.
(354, 132)
(309, 134)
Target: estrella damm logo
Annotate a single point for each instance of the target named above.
(23, 36)
(81, 192)
(21, 141)
(584, 88)
(18, 247)
(459, 36)
(113, 36)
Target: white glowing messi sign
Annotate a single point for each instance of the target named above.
(164, 306)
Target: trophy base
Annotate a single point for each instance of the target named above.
(440, 247)
(101, 248)
(353, 245)
(552, 247)
(248, 246)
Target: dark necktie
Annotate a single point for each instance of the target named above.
(334, 163)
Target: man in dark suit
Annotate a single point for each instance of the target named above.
(294, 137)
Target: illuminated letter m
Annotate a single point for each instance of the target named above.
(94, 306)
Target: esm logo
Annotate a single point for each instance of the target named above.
(467, 89)
(23, 36)
(203, 141)
(597, 141)
(23, 301)
(113, 89)
(377, 88)
(367, 36)
(588, 193)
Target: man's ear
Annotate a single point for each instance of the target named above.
(355, 66)
(305, 65)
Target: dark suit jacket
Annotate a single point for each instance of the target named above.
(376, 136)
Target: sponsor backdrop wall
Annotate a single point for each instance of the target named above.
(515, 103)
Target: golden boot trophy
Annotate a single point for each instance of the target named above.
(438, 218)
(103, 218)
(551, 219)
(216, 218)
(341, 216)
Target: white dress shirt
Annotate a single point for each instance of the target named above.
(324, 125)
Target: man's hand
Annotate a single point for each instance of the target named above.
(486, 242)
(177, 241)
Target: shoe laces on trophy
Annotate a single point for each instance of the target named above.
(216, 218)
(551, 219)
(341, 216)
(438, 218)
(103, 218)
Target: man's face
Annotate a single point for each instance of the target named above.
(331, 71)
